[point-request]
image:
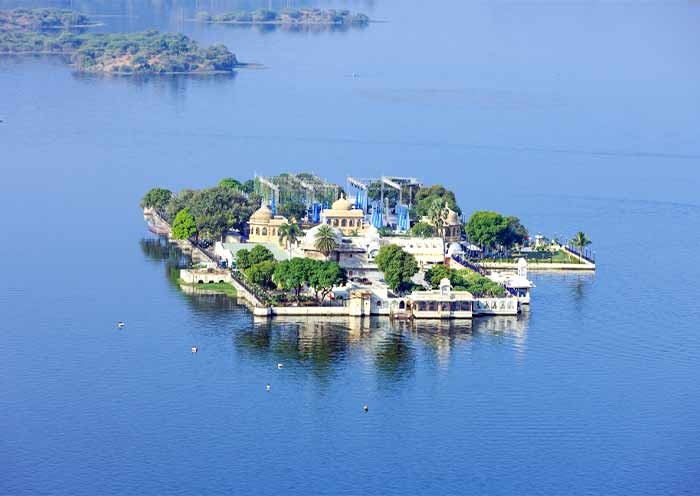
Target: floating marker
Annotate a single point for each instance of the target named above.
(120, 324)
(365, 408)
(194, 349)
(268, 387)
(279, 365)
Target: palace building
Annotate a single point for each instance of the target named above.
(342, 216)
(263, 226)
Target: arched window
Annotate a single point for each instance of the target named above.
(343, 223)
(335, 222)
(264, 231)
(328, 221)
(351, 223)
(257, 231)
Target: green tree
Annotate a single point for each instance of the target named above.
(157, 198)
(184, 226)
(580, 241)
(249, 186)
(289, 235)
(220, 208)
(425, 197)
(229, 182)
(422, 230)
(486, 229)
(514, 234)
(324, 276)
(325, 240)
(464, 280)
(259, 254)
(243, 259)
(179, 201)
(293, 274)
(438, 215)
(294, 210)
(261, 273)
(397, 266)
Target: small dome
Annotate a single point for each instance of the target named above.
(522, 262)
(372, 233)
(455, 249)
(452, 218)
(341, 204)
(263, 214)
(445, 283)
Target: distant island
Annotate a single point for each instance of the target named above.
(287, 17)
(52, 31)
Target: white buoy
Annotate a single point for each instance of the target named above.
(194, 349)
(268, 387)
(279, 365)
(120, 324)
(365, 408)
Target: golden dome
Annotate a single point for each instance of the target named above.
(263, 214)
(341, 204)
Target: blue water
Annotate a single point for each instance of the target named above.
(570, 115)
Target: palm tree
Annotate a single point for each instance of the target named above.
(325, 240)
(289, 235)
(580, 241)
(436, 214)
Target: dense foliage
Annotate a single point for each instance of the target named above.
(261, 273)
(322, 277)
(426, 200)
(248, 258)
(184, 226)
(287, 16)
(147, 52)
(229, 182)
(397, 266)
(491, 229)
(464, 280)
(40, 19)
(292, 210)
(156, 198)
(214, 209)
(422, 230)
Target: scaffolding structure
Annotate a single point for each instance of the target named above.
(392, 195)
(314, 192)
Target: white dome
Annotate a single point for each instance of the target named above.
(455, 249)
(310, 236)
(372, 234)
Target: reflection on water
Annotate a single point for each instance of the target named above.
(296, 28)
(322, 344)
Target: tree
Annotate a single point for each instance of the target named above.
(324, 276)
(249, 186)
(261, 273)
(178, 202)
(293, 274)
(289, 235)
(184, 226)
(486, 229)
(293, 210)
(422, 230)
(220, 208)
(259, 254)
(514, 234)
(426, 196)
(580, 241)
(437, 215)
(243, 259)
(325, 240)
(397, 265)
(229, 182)
(464, 280)
(156, 198)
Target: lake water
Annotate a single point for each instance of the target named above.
(571, 115)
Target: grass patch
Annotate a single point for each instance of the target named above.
(219, 287)
(537, 257)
